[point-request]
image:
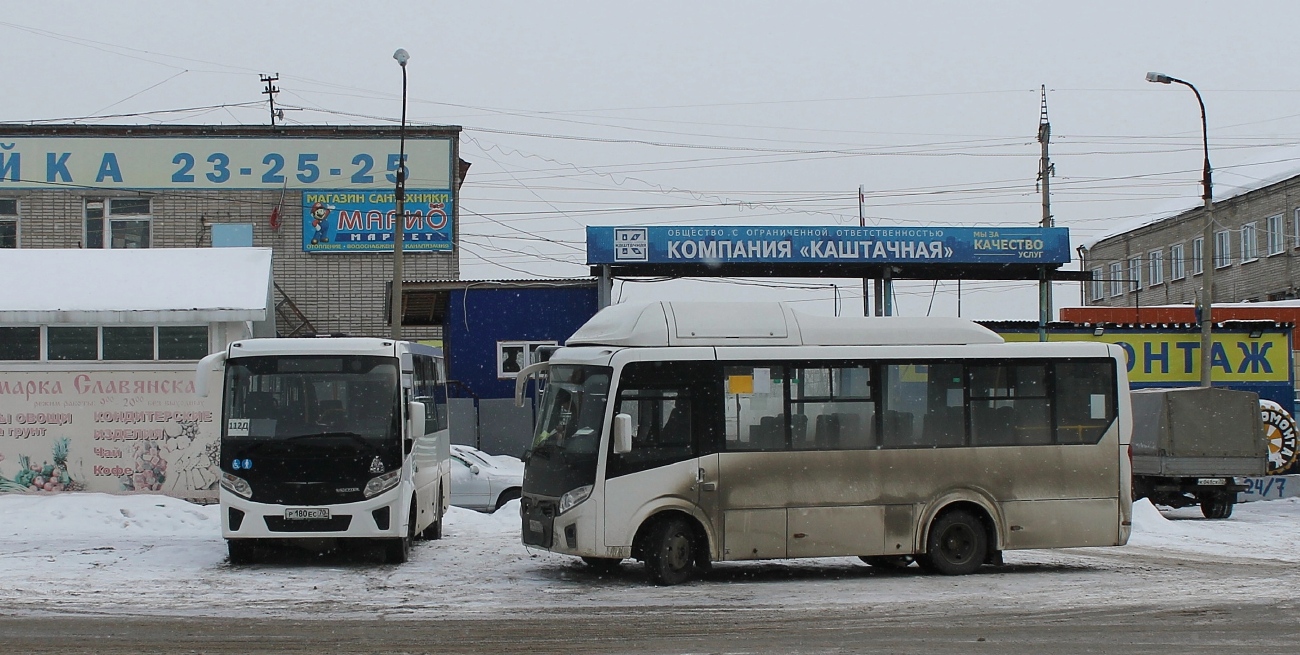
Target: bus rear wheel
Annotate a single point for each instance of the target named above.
(670, 553)
(957, 544)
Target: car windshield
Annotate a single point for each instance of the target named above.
(300, 397)
(567, 439)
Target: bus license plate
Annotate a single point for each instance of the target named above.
(1211, 482)
(302, 514)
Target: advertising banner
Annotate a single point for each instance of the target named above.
(127, 431)
(145, 162)
(362, 221)
(812, 244)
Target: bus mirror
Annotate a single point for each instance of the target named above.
(622, 434)
(214, 362)
(415, 414)
(521, 380)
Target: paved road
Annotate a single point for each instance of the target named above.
(1207, 629)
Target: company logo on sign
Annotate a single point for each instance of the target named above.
(631, 245)
(1280, 430)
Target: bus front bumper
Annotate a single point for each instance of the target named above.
(381, 516)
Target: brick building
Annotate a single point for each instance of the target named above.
(320, 197)
(1257, 238)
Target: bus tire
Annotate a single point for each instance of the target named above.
(242, 551)
(887, 561)
(1216, 505)
(434, 530)
(670, 552)
(957, 544)
(398, 551)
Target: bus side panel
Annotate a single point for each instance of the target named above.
(1060, 523)
(836, 531)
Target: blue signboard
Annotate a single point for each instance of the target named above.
(362, 221)
(822, 245)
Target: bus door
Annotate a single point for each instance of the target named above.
(667, 402)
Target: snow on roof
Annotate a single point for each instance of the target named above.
(146, 285)
(763, 323)
(1229, 182)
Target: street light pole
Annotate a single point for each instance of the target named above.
(396, 300)
(1207, 237)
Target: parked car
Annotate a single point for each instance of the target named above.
(483, 482)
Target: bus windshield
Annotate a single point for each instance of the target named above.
(564, 448)
(290, 397)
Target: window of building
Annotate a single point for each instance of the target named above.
(1222, 249)
(1198, 255)
(1156, 268)
(513, 356)
(117, 222)
(1097, 289)
(1275, 236)
(20, 343)
(1249, 243)
(108, 343)
(8, 223)
(1177, 266)
(1295, 235)
(1134, 274)
(1116, 279)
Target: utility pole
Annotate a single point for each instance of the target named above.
(862, 222)
(270, 92)
(1046, 169)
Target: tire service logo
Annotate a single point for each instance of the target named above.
(1280, 431)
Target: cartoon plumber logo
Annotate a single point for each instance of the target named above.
(320, 224)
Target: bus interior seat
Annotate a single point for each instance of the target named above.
(944, 427)
(898, 428)
(855, 432)
(827, 431)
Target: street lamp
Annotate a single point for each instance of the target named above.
(396, 301)
(1207, 238)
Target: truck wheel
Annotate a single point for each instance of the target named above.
(957, 544)
(1217, 505)
(670, 553)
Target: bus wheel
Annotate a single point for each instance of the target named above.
(957, 544)
(670, 553)
(434, 530)
(888, 561)
(398, 551)
(603, 565)
(1216, 505)
(242, 551)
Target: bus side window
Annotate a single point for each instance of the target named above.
(664, 401)
(1085, 401)
(754, 407)
(923, 406)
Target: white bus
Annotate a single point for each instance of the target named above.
(685, 433)
(331, 438)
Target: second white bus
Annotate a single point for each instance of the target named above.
(681, 434)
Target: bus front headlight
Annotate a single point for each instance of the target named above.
(382, 483)
(571, 499)
(236, 485)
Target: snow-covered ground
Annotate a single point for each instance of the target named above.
(153, 555)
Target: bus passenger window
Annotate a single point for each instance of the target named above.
(832, 408)
(754, 406)
(923, 406)
(1085, 401)
(1009, 405)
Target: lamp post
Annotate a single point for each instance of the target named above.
(1207, 238)
(396, 301)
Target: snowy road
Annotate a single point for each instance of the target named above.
(97, 564)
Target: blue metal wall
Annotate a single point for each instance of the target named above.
(478, 318)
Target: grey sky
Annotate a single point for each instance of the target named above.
(636, 113)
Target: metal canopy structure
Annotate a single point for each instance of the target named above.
(880, 253)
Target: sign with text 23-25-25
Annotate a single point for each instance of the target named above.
(362, 221)
(137, 431)
(220, 162)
